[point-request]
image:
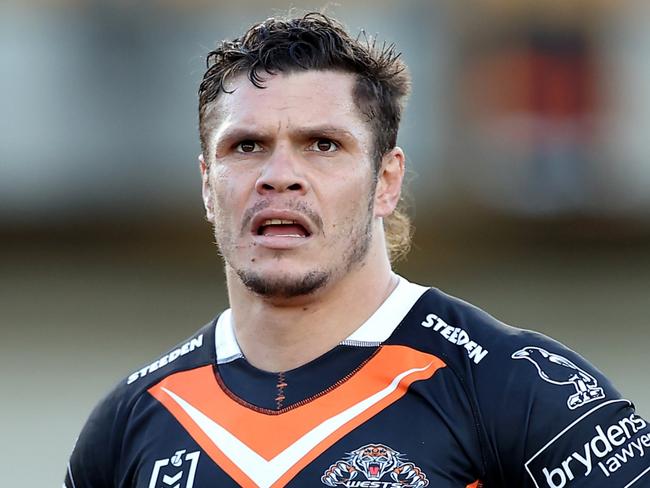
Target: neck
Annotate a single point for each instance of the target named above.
(282, 335)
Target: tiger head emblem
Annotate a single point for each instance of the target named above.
(373, 462)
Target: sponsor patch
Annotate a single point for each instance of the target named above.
(374, 466)
(177, 471)
(558, 370)
(188, 347)
(613, 449)
(455, 335)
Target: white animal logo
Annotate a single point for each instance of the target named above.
(559, 370)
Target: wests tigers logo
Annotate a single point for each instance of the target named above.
(383, 466)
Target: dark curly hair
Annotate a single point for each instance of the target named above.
(318, 42)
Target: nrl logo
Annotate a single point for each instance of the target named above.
(558, 370)
(374, 465)
(177, 471)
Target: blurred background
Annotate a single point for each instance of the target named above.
(527, 136)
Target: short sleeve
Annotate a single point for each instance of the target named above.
(607, 446)
(94, 457)
(555, 421)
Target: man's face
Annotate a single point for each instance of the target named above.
(288, 181)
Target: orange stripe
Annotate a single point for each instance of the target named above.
(268, 435)
(476, 484)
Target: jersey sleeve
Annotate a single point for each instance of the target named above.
(555, 421)
(95, 455)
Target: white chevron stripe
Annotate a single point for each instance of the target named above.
(264, 473)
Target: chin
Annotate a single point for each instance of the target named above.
(284, 285)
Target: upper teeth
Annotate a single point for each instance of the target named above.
(278, 222)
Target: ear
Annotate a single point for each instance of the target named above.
(206, 189)
(389, 182)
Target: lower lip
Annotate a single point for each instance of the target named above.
(280, 242)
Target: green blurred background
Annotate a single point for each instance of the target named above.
(528, 140)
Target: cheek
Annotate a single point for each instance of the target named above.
(224, 199)
(351, 210)
(224, 189)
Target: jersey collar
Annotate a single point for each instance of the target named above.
(372, 332)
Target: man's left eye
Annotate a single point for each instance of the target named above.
(324, 145)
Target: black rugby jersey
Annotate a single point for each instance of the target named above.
(430, 391)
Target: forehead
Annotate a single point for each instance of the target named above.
(294, 100)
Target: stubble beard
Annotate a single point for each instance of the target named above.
(289, 286)
(283, 286)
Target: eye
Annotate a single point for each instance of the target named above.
(248, 147)
(324, 145)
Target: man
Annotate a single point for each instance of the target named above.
(329, 369)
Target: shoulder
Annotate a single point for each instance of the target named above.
(502, 365)
(195, 351)
(545, 414)
(98, 448)
(461, 334)
(495, 355)
(192, 352)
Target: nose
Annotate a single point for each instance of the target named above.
(282, 172)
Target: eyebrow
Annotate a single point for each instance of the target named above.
(247, 133)
(325, 130)
(241, 134)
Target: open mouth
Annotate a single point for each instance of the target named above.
(282, 228)
(373, 469)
